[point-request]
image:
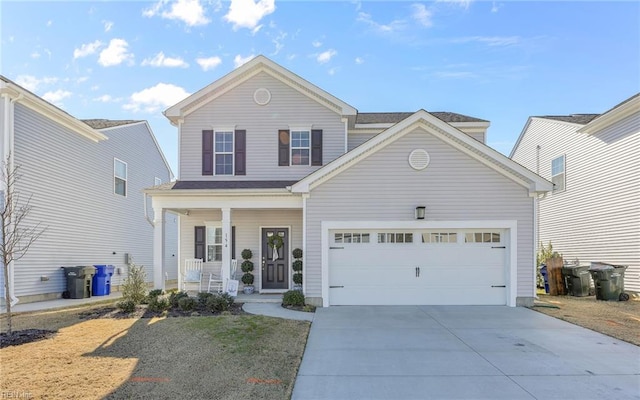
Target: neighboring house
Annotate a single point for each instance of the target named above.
(593, 212)
(85, 180)
(264, 152)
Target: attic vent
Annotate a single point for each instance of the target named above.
(419, 159)
(262, 96)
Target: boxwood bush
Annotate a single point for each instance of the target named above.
(293, 298)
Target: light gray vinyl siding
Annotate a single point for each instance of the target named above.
(248, 224)
(355, 139)
(236, 108)
(70, 181)
(597, 217)
(383, 187)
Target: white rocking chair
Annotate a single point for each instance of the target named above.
(192, 274)
(217, 284)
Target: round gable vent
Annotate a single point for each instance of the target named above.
(262, 96)
(419, 159)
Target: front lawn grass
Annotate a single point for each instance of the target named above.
(212, 357)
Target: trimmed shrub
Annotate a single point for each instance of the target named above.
(297, 279)
(187, 303)
(126, 306)
(297, 265)
(246, 254)
(246, 266)
(152, 294)
(228, 298)
(203, 297)
(293, 298)
(218, 303)
(297, 253)
(247, 279)
(134, 287)
(175, 297)
(159, 304)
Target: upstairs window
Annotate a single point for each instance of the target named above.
(558, 174)
(119, 177)
(300, 147)
(223, 152)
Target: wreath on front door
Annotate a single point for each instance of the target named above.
(275, 241)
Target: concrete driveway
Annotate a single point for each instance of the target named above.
(461, 352)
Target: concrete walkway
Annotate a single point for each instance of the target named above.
(276, 310)
(448, 352)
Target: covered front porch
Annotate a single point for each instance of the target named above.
(217, 228)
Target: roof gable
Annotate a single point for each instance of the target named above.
(626, 108)
(447, 133)
(245, 72)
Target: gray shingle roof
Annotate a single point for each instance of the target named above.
(581, 119)
(395, 117)
(193, 185)
(108, 123)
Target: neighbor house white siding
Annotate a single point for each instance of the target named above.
(248, 224)
(69, 179)
(454, 187)
(288, 108)
(597, 216)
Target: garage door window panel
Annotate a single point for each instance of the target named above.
(342, 238)
(439, 237)
(395, 237)
(482, 237)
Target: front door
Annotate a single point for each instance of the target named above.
(275, 258)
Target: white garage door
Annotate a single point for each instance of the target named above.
(405, 267)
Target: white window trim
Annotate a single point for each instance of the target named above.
(125, 179)
(291, 148)
(157, 181)
(564, 173)
(215, 153)
(212, 243)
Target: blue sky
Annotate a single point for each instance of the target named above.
(502, 61)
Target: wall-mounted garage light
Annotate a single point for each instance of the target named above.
(420, 211)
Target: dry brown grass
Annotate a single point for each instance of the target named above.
(619, 319)
(221, 357)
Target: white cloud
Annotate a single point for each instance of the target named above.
(209, 62)
(460, 3)
(115, 53)
(391, 27)
(57, 96)
(278, 42)
(161, 61)
(105, 98)
(32, 83)
(316, 43)
(49, 23)
(326, 56)
(359, 60)
(35, 55)
(493, 41)
(421, 14)
(332, 71)
(107, 25)
(150, 100)
(495, 7)
(87, 49)
(248, 13)
(239, 60)
(190, 12)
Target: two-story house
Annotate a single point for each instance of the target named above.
(388, 208)
(593, 211)
(84, 180)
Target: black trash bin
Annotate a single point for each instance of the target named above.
(608, 280)
(79, 281)
(101, 283)
(576, 279)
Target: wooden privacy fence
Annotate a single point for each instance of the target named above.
(554, 275)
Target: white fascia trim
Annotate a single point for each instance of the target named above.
(426, 121)
(630, 107)
(50, 111)
(233, 202)
(219, 192)
(241, 74)
(512, 244)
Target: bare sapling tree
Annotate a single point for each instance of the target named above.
(17, 233)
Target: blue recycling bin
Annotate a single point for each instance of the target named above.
(101, 284)
(543, 272)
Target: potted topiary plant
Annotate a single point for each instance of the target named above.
(247, 267)
(297, 269)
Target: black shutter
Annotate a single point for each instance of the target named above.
(233, 242)
(283, 147)
(207, 152)
(240, 143)
(201, 242)
(316, 147)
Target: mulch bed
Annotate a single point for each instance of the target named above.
(24, 336)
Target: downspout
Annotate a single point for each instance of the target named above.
(305, 196)
(146, 212)
(346, 134)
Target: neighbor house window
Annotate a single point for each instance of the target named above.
(157, 181)
(214, 243)
(119, 177)
(223, 154)
(300, 147)
(557, 173)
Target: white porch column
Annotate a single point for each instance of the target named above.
(226, 246)
(158, 248)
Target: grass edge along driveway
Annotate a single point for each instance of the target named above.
(220, 357)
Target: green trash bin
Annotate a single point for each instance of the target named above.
(608, 280)
(577, 279)
(79, 281)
